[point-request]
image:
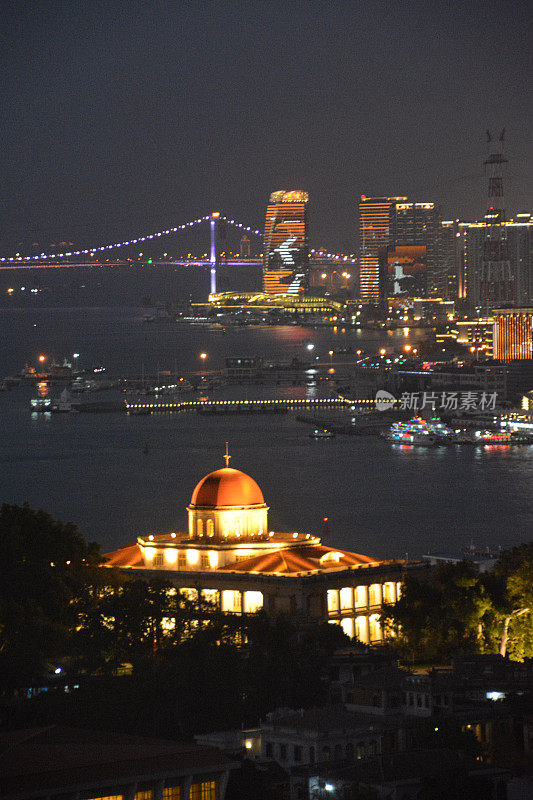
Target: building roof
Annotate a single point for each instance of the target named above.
(47, 760)
(227, 487)
(334, 719)
(300, 559)
(128, 556)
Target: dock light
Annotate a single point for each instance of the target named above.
(215, 215)
(382, 351)
(328, 787)
(42, 358)
(75, 355)
(408, 348)
(331, 352)
(310, 346)
(57, 670)
(203, 356)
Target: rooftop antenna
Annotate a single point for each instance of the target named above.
(227, 456)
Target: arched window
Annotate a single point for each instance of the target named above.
(337, 752)
(238, 527)
(225, 528)
(349, 750)
(210, 527)
(200, 527)
(325, 753)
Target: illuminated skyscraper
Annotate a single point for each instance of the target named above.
(286, 256)
(375, 234)
(513, 334)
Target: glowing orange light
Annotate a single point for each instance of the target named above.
(203, 356)
(10, 290)
(407, 348)
(42, 358)
(382, 351)
(215, 214)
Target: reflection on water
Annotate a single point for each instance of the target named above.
(94, 468)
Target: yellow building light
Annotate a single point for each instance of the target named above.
(193, 556)
(171, 555)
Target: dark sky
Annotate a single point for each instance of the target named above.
(122, 118)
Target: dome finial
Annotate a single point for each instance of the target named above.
(227, 456)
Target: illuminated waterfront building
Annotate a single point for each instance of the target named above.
(464, 263)
(513, 334)
(286, 255)
(416, 225)
(374, 228)
(230, 557)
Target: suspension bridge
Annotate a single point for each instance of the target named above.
(99, 255)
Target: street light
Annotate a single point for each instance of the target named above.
(42, 359)
(203, 356)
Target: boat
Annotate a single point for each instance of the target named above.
(41, 404)
(323, 433)
(415, 432)
(64, 404)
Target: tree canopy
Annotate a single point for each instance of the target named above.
(453, 608)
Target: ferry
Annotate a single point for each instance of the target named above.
(420, 432)
(322, 434)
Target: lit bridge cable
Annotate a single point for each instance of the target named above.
(139, 239)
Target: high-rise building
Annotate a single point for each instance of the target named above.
(286, 252)
(463, 265)
(417, 225)
(513, 334)
(374, 228)
(387, 223)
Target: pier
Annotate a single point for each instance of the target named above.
(241, 406)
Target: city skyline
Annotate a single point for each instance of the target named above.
(144, 137)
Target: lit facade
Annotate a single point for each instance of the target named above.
(472, 265)
(513, 334)
(229, 557)
(286, 252)
(416, 225)
(374, 229)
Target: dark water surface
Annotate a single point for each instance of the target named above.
(93, 469)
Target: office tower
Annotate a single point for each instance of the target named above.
(513, 334)
(286, 255)
(450, 278)
(374, 227)
(417, 225)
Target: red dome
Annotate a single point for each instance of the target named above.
(227, 487)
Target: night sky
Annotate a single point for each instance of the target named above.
(122, 118)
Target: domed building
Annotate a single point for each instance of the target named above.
(229, 556)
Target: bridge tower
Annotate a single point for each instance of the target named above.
(213, 257)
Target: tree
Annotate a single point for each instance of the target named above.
(515, 570)
(441, 613)
(42, 564)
